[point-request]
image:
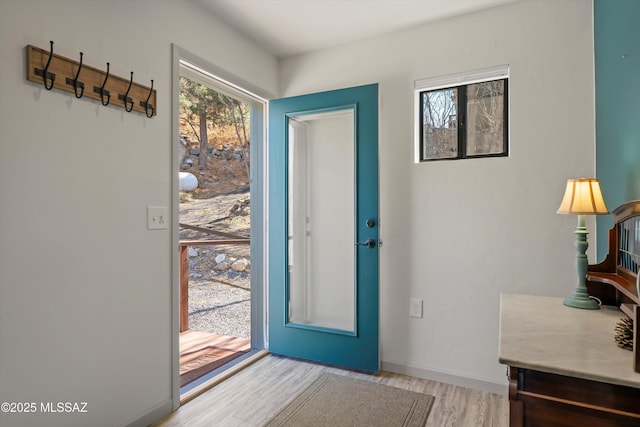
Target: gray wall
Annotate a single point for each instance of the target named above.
(85, 289)
(458, 233)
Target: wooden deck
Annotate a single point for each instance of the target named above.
(201, 353)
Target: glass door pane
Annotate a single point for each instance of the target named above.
(321, 288)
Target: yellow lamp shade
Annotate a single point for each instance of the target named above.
(583, 197)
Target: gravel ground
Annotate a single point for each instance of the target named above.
(219, 301)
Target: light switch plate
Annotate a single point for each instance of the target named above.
(157, 218)
(415, 307)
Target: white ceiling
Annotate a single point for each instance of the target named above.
(289, 27)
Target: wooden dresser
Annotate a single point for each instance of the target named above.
(564, 366)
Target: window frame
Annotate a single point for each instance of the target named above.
(460, 82)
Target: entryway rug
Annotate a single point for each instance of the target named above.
(337, 400)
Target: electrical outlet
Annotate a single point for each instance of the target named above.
(415, 307)
(157, 218)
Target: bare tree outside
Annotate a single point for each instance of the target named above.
(238, 114)
(485, 118)
(440, 129)
(203, 108)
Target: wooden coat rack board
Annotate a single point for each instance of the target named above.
(85, 81)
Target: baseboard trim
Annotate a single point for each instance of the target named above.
(444, 377)
(155, 413)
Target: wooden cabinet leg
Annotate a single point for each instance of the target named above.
(516, 409)
(636, 334)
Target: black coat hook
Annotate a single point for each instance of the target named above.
(102, 91)
(76, 84)
(148, 108)
(46, 72)
(128, 102)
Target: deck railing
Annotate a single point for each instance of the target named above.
(230, 239)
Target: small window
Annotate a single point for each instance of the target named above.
(464, 120)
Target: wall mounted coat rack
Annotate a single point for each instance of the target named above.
(55, 71)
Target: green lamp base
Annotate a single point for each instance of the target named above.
(577, 301)
(580, 297)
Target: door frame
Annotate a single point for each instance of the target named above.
(258, 99)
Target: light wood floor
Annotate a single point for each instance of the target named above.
(258, 392)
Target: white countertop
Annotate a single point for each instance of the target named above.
(542, 334)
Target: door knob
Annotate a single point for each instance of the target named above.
(370, 243)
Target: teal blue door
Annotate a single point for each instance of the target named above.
(323, 227)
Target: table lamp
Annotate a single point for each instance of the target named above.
(582, 197)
